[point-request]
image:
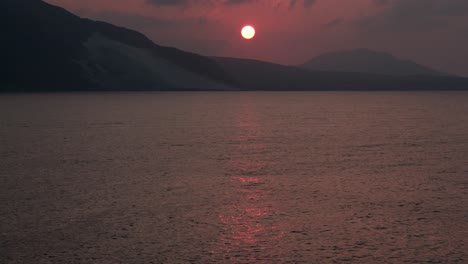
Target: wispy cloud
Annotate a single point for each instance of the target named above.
(169, 2)
(333, 23)
(306, 3)
(414, 15)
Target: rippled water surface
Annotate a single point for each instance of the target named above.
(234, 178)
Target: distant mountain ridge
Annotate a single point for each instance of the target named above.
(367, 61)
(266, 76)
(48, 49)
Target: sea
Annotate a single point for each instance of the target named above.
(234, 177)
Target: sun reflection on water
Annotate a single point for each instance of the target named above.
(248, 220)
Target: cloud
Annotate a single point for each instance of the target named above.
(454, 8)
(198, 2)
(175, 3)
(334, 22)
(414, 15)
(237, 2)
(292, 4)
(306, 3)
(168, 2)
(427, 7)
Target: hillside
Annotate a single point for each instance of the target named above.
(49, 49)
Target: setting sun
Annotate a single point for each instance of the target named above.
(248, 32)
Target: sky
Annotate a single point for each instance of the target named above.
(430, 32)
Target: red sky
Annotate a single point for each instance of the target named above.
(430, 32)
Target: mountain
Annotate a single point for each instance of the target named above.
(260, 75)
(46, 48)
(367, 61)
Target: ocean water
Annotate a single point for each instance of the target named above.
(234, 177)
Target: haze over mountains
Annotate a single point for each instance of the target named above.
(49, 49)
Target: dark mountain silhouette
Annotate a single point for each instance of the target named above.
(367, 61)
(259, 75)
(46, 48)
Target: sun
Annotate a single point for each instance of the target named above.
(248, 32)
